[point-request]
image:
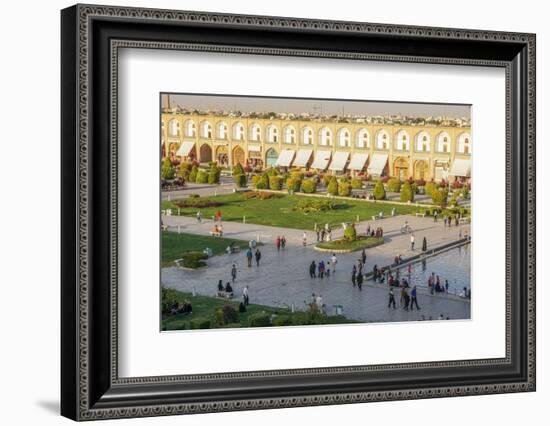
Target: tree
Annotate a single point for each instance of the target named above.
(202, 176)
(356, 183)
(309, 186)
(429, 187)
(379, 191)
(439, 196)
(184, 170)
(350, 233)
(214, 175)
(262, 182)
(193, 174)
(344, 189)
(465, 192)
(293, 184)
(407, 192)
(167, 171)
(332, 187)
(238, 170)
(275, 182)
(394, 185)
(240, 180)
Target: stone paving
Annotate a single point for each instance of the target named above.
(282, 279)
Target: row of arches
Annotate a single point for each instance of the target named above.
(343, 138)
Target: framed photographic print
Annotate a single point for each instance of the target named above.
(263, 212)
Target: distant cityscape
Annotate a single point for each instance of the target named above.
(393, 119)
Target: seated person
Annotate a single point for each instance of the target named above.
(229, 289)
(220, 286)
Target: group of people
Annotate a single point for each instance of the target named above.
(435, 285)
(181, 308)
(357, 276)
(257, 255)
(324, 233)
(323, 269)
(317, 303)
(378, 232)
(280, 242)
(406, 301)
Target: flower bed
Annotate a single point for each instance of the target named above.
(346, 246)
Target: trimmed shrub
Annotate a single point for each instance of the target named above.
(407, 192)
(394, 185)
(260, 319)
(276, 182)
(194, 259)
(429, 187)
(356, 183)
(227, 314)
(350, 233)
(465, 192)
(326, 179)
(332, 187)
(240, 180)
(200, 323)
(309, 186)
(193, 174)
(272, 171)
(310, 205)
(439, 196)
(214, 175)
(262, 182)
(293, 184)
(166, 170)
(184, 170)
(297, 175)
(282, 320)
(202, 176)
(379, 191)
(238, 170)
(344, 189)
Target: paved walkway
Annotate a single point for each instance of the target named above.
(283, 279)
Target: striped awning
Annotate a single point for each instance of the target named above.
(461, 168)
(358, 161)
(339, 160)
(185, 148)
(302, 157)
(321, 160)
(285, 158)
(377, 164)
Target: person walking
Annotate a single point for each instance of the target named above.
(318, 234)
(278, 243)
(245, 295)
(322, 235)
(304, 239)
(283, 242)
(446, 286)
(412, 242)
(233, 273)
(353, 275)
(424, 244)
(321, 269)
(312, 268)
(258, 256)
(360, 281)
(414, 300)
(327, 268)
(199, 217)
(363, 257)
(249, 257)
(435, 215)
(333, 261)
(391, 301)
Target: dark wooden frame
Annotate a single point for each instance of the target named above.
(90, 386)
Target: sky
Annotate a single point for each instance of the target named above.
(316, 106)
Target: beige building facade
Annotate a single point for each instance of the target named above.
(420, 152)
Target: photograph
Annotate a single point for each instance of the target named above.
(280, 212)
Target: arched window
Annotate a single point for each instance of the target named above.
(255, 133)
(238, 131)
(272, 134)
(190, 128)
(443, 142)
(307, 136)
(222, 131)
(423, 142)
(290, 134)
(402, 141)
(174, 127)
(382, 140)
(325, 137)
(464, 143)
(344, 138)
(363, 140)
(206, 130)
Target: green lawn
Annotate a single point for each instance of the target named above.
(358, 244)
(205, 306)
(174, 245)
(279, 211)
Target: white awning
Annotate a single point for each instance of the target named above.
(185, 149)
(321, 160)
(377, 164)
(285, 158)
(339, 161)
(302, 157)
(254, 148)
(461, 168)
(358, 161)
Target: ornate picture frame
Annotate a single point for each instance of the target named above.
(91, 37)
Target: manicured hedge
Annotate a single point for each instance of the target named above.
(309, 186)
(259, 320)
